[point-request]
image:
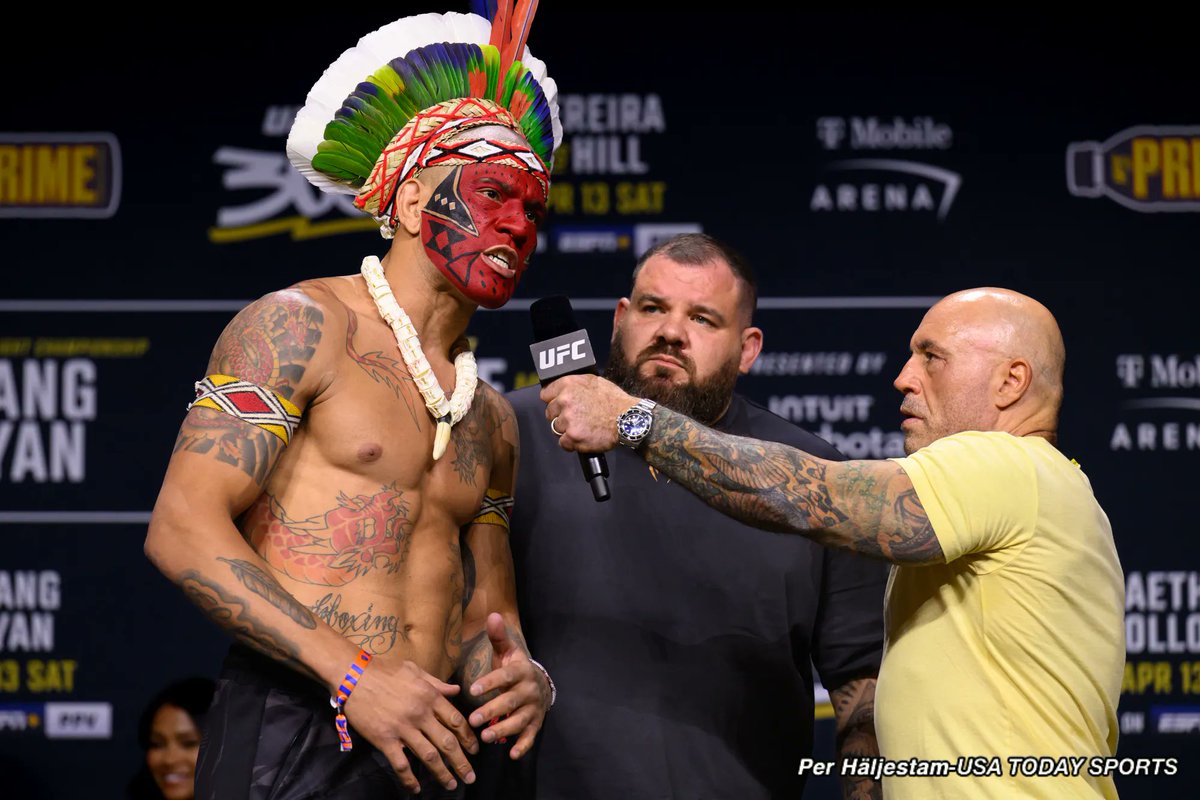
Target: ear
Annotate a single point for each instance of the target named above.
(622, 307)
(752, 342)
(1014, 379)
(409, 204)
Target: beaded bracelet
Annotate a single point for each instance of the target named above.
(339, 703)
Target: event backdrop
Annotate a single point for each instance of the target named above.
(865, 164)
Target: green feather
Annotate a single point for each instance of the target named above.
(511, 79)
(353, 136)
(338, 168)
(386, 109)
(346, 156)
(386, 78)
(491, 61)
(368, 116)
(398, 107)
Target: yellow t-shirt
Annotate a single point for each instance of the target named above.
(1015, 646)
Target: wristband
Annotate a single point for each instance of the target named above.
(343, 694)
(553, 691)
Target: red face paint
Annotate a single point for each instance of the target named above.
(480, 228)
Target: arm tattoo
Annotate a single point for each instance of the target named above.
(854, 707)
(475, 661)
(475, 437)
(230, 441)
(472, 445)
(266, 587)
(232, 614)
(456, 608)
(270, 342)
(868, 507)
(468, 568)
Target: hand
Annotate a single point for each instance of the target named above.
(396, 704)
(584, 408)
(524, 694)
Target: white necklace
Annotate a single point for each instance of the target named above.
(446, 412)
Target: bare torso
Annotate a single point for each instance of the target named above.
(357, 521)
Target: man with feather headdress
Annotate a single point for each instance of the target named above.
(327, 502)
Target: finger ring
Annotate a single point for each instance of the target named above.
(557, 432)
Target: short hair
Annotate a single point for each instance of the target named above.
(698, 249)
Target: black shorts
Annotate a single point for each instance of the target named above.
(270, 736)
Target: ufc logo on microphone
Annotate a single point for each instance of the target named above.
(562, 354)
(573, 351)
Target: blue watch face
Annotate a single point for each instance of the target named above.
(635, 424)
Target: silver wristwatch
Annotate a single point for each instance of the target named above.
(634, 425)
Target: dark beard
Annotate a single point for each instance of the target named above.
(703, 401)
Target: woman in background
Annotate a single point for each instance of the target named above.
(169, 733)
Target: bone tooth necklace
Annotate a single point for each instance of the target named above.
(466, 376)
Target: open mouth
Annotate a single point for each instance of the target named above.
(503, 260)
(174, 778)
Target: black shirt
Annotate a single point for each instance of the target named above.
(679, 639)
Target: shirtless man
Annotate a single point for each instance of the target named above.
(351, 533)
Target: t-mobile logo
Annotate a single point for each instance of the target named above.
(831, 131)
(1130, 369)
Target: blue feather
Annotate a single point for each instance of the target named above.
(484, 8)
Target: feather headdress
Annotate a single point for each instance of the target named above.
(383, 107)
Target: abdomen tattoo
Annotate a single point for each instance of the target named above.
(362, 534)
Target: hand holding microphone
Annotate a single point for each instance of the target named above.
(584, 410)
(581, 407)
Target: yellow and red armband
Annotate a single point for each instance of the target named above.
(248, 402)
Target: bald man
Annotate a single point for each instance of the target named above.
(1004, 609)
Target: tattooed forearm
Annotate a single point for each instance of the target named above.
(375, 633)
(468, 569)
(232, 614)
(763, 483)
(854, 709)
(230, 441)
(475, 661)
(868, 507)
(265, 586)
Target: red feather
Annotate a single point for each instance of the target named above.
(521, 20)
(500, 31)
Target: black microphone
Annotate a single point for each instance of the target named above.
(561, 347)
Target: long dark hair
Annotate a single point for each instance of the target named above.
(193, 695)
